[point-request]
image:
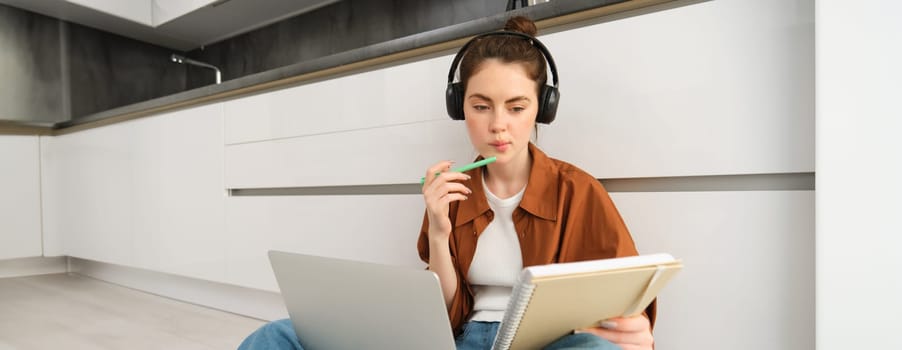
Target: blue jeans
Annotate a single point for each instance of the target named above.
(480, 335)
(476, 335)
(274, 335)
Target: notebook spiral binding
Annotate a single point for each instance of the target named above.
(517, 307)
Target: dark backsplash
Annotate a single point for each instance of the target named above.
(339, 27)
(55, 71)
(30, 72)
(108, 71)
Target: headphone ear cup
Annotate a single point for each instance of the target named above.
(454, 103)
(548, 105)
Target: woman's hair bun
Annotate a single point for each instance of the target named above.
(521, 24)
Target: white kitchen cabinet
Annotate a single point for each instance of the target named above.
(20, 197)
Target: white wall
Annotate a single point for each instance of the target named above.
(748, 281)
(375, 228)
(358, 129)
(20, 206)
(653, 86)
(720, 87)
(858, 170)
(146, 193)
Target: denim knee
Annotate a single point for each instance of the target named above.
(274, 335)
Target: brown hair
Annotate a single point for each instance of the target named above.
(508, 49)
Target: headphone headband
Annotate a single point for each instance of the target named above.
(532, 40)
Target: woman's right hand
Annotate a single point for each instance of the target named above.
(438, 192)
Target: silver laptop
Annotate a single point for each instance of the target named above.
(342, 304)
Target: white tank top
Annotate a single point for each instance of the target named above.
(497, 261)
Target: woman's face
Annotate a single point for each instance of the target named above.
(500, 107)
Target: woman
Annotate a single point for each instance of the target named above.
(483, 226)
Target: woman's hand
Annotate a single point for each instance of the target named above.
(629, 333)
(438, 192)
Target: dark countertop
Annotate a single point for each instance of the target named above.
(547, 15)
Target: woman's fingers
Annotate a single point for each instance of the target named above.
(436, 168)
(436, 194)
(441, 187)
(450, 187)
(631, 347)
(450, 197)
(450, 176)
(624, 338)
(446, 182)
(440, 190)
(639, 338)
(627, 324)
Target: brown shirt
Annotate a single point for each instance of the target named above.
(565, 215)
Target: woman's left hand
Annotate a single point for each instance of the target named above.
(629, 333)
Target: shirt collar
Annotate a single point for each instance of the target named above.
(541, 194)
(539, 199)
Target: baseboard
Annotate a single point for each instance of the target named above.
(259, 304)
(32, 266)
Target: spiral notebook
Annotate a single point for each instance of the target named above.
(550, 301)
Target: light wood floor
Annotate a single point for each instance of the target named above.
(68, 311)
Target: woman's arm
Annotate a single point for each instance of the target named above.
(459, 303)
(438, 192)
(440, 263)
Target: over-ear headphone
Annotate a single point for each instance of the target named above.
(548, 94)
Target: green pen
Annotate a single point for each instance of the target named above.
(470, 166)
